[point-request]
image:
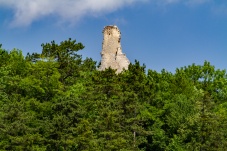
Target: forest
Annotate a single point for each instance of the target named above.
(57, 101)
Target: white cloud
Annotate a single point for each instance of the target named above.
(27, 11)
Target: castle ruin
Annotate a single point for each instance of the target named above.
(112, 55)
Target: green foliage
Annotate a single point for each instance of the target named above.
(58, 101)
(65, 54)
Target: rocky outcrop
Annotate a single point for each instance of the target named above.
(112, 55)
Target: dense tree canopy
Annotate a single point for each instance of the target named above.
(57, 101)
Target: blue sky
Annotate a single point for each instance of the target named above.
(159, 33)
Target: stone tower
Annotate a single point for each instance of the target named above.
(112, 55)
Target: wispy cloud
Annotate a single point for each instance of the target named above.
(197, 2)
(220, 9)
(191, 2)
(27, 11)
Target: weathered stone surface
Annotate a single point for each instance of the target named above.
(112, 55)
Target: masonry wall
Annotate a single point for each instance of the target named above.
(112, 55)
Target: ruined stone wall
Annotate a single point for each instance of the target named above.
(112, 55)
